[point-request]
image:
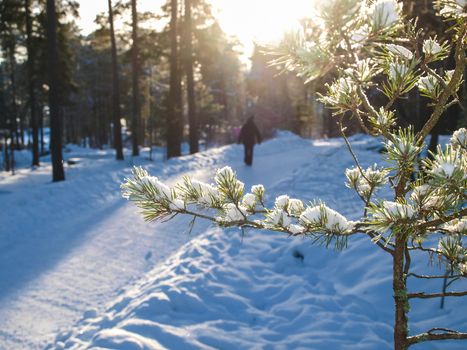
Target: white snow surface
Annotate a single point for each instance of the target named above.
(79, 269)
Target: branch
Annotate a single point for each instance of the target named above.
(448, 91)
(436, 222)
(434, 276)
(448, 334)
(260, 226)
(362, 124)
(423, 249)
(407, 260)
(422, 295)
(349, 147)
(430, 71)
(354, 156)
(451, 103)
(371, 110)
(379, 244)
(430, 251)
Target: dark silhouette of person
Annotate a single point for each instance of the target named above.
(249, 135)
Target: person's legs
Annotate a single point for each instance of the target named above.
(249, 154)
(245, 159)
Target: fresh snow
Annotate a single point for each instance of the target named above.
(80, 269)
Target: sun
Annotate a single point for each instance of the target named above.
(261, 21)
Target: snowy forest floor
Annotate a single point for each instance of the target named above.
(80, 269)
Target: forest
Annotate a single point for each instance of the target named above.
(218, 174)
(156, 78)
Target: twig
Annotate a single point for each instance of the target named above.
(407, 260)
(419, 247)
(423, 295)
(439, 329)
(363, 126)
(434, 276)
(372, 110)
(379, 244)
(430, 335)
(354, 156)
(436, 222)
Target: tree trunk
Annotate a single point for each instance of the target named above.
(32, 94)
(135, 76)
(94, 124)
(6, 155)
(41, 127)
(400, 295)
(117, 129)
(190, 83)
(15, 137)
(21, 129)
(12, 157)
(174, 108)
(4, 121)
(434, 139)
(58, 173)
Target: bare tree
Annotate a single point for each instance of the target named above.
(135, 80)
(116, 112)
(31, 77)
(190, 83)
(58, 174)
(174, 115)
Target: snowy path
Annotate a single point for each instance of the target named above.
(68, 248)
(262, 290)
(95, 255)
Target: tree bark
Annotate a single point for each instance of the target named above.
(5, 121)
(190, 83)
(58, 173)
(400, 295)
(116, 113)
(135, 77)
(32, 94)
(15, 137)
(6, 155)
(174, 108)
(41, 128)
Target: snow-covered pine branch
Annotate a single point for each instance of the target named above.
(225, 203)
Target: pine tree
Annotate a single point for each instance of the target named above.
(190, 82)
(174, 108)
(135, 81)
(58, 174)
(115, 90)
(32, 86)
(373, 48)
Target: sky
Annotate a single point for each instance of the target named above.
(250, 20)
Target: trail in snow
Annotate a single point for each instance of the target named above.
(67, 248)
(267, 291)
(77, 260)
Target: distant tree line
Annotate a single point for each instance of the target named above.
(151, 79)
(156, 78)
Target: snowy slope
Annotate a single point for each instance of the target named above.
(76, 250)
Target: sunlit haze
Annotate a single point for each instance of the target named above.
(249, 20)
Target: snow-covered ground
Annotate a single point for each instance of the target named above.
(80, 269)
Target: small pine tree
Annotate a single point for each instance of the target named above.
(369, 46)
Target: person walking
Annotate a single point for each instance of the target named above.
(249, 135)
